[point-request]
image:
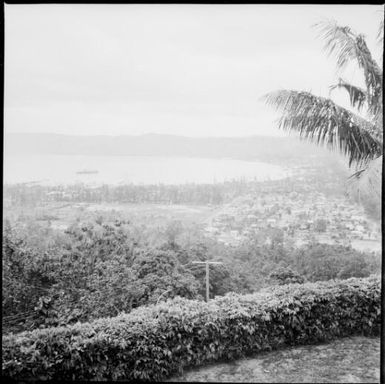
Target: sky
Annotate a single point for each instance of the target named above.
(192, 70)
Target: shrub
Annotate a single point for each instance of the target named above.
(154, 342)
(326, 261)
(286, 275)
(98, 270)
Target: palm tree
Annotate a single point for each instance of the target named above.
(320, 120)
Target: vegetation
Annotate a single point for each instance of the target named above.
(102, 268)
(320, 120)
(154, 342)
(136, 194)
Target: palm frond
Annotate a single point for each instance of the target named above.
(357, 95)
(368, 180)
(348, 46)
(322, 121)
(380, 33)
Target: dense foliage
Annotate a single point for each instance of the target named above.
(96, 269)
(154, 342)
(101, 268)
(25, 194)
(286, 276)
(215, 193)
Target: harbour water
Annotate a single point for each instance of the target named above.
(64, 169)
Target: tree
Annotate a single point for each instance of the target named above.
(113, 289)
(160, 272)
(89, 243)
(172, 231)
(322, 121)
(320, 225)
(285, 275)
(319, 262)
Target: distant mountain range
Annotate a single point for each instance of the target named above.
(262, 148)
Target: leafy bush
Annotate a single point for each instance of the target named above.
(97, 270)
(324, 262)
(160, 273)
(22, 269)
(284, 275)
(154, 342)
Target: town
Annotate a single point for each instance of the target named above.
(301, 211)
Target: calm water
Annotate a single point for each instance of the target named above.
(61, 169)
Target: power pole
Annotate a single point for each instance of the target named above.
(207, 275)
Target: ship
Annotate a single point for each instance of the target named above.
(87, 172)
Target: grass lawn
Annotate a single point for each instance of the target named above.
(347, 360)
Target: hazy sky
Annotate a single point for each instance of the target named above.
(194, 70)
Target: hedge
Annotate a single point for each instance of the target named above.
(154, 342)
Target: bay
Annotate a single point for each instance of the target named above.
(63, 169)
